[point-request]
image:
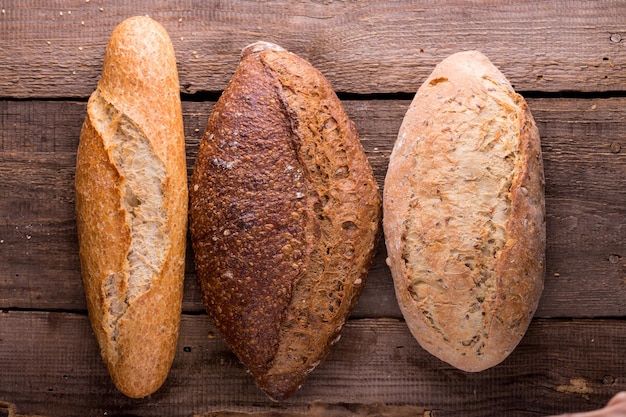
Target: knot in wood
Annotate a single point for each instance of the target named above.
(608, 380)
(616, 147)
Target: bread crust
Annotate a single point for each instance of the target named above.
(285, 215)
(131, 206)
(464, 214)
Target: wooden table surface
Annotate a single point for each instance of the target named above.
(568, 58)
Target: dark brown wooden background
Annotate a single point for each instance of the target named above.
(568, 58)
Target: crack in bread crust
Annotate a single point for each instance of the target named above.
(470, 195)
(141, 175)
(343, 215)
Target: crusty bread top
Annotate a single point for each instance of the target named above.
(285, 214)
(131, 206)
(140, 79)
(464, 214)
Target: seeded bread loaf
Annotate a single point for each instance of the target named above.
(285, 214)
(131, 206)
(464, 214)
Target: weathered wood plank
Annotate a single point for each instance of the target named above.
(321, 409)
(51, 366)
(55, 49)
(586, 211)
(49, 361)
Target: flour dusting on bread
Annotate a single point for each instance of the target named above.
(456, 191)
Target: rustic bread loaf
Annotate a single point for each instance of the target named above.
(284, 215)
(131, 206)
(464, 214)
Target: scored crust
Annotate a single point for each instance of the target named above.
(464, 214)
(285, 215)
(131, 206)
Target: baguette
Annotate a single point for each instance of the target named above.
(284, 214)
(464, 214)
(131, 206)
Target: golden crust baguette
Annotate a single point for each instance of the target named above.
(131, 206)
(464, 215)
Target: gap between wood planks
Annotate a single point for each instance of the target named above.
(314, 409)
(213, 96)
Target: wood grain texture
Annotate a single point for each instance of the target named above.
(321, 409)
(560, 366)
(55, 49)
(570, 360)
(585, 194)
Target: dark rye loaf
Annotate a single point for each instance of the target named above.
(285, 214)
